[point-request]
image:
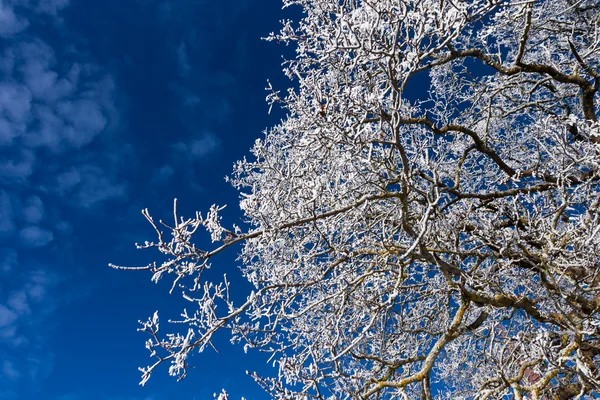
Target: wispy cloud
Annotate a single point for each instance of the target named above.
(87, 185)
(162, 174)
(53, 106)
(42, 108)
(35, 236)
(18, 302)
(9, 370)
(205, 144)
(7, 316)
(8, 260)
(10, 23)
(33, 210)
(7, 224)
(204, 92)
(51, 7)
(55, 102)
(17, 169)
(185, 157)
(183, 61)
(25, 310)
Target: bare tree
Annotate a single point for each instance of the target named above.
(427, 212)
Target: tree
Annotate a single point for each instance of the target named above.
(427, 212)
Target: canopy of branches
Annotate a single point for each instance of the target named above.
(425, 222)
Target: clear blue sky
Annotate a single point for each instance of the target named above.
(108, 107)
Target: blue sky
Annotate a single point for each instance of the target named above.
(108, 107)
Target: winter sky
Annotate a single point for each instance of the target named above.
(108, 107)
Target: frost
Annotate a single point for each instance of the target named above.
(437, 243)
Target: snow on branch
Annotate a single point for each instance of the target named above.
(424, 223)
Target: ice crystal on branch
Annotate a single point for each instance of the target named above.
(428, 211)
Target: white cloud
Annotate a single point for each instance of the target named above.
(162, 174)
(183, 61)
(39, 365)
(7, 316)
(63, 228)
(23, 316)
(8, 131)
(205, 102)
(69, 110)
(7, 61)
(207, 144)
(9, 260)
(67, 181)
(49, 106)
(35, 236)
(38, 285)
(17, 301)
(8, 333)
(7, 224)
(15, 102)
(98, 188)
(88, 185)
(37, 61)
(9, 22)
(33, 210)
(197, 149)
(51, 7)
(19, 168)
(9, 370)
(84, 120)
(53, 102)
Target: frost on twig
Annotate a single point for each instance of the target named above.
(425, 222)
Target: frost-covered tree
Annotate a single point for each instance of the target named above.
(425, 222)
